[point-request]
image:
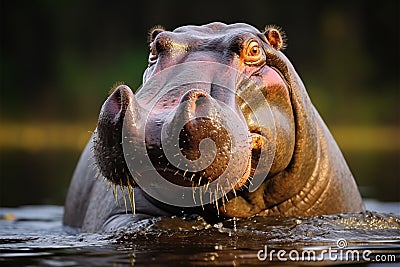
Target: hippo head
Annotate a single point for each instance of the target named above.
(213, 121)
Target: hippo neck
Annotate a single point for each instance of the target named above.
(317, 183)
(306, 155)
(328, 188)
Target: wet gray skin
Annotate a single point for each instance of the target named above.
(303, 170)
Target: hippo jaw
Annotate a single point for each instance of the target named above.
(126, 119)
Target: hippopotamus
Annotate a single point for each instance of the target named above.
(222, 127)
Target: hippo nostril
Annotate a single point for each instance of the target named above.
(193, 95)
(200, 100)
(115, 102)
(116, 105)
(196, 103)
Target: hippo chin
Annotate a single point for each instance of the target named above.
(222, 127)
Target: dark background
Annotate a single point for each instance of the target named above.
(58, 59)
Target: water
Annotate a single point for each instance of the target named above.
(34, 236)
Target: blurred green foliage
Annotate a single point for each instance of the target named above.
(58, 59)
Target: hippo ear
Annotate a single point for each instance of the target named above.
(275, 37)
(153, 32)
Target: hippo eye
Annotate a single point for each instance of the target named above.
(252, 53)
(254, 49)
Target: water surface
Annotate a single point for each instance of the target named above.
(34, 236)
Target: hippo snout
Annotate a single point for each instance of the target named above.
(192, 144)
(120, 106)
(206, 139)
